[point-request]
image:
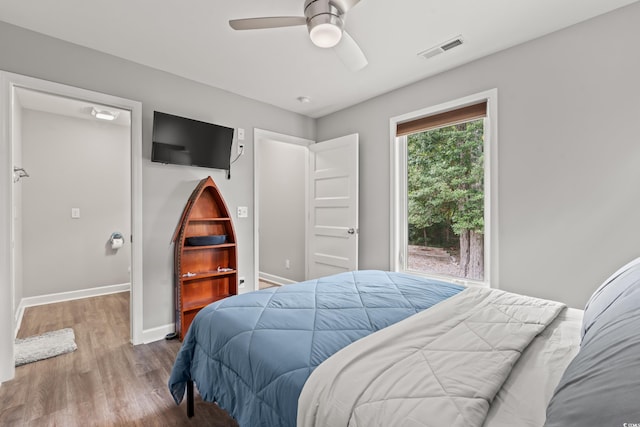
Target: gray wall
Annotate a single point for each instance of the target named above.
(568, 148)
(77, 163)
(165, 188)
(282, 168)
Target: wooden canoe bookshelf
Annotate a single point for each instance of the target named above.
(205, 273)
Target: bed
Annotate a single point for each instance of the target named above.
(463, 357)
(252, 353)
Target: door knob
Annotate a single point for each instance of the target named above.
(351, 231)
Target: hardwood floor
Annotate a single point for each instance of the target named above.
(105, 382)
(263, 284)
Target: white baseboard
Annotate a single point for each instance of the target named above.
(18, 317)
(276, 280)
(66, 296)
(157, 334)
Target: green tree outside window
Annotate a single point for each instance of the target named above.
(446, 192)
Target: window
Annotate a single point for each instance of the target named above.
(443, 173)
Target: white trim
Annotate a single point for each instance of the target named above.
(137, 292)
(398, 183)
(7, 298)
(491, 195)
(67, 296)
(307, 203)
(266, 135)
(8, 82)
(276, 280)
(74, 295)
(158, 333)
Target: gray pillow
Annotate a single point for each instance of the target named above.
(601, 386)
(610, 291)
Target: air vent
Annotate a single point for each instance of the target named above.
(443, 47)
(451, 44)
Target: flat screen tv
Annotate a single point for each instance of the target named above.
(183, 141)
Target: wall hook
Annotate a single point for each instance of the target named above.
(19, 173)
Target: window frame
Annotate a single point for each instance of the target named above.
(398, 153)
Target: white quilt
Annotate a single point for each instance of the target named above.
(440, 367)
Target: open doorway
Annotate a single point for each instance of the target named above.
(306, 207)
(13, 86)
(77, 195)
(281, 166)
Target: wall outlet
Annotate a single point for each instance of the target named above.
(243, 211)
(241, 283)
(287, 264)
(240, 148)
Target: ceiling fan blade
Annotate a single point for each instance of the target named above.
(350, 53)
(267, 22)
(345, 5)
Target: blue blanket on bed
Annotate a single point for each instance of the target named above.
(252, 353)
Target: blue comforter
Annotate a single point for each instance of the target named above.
(252, 353)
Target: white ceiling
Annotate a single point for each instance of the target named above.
(193, 39)
(54, 104)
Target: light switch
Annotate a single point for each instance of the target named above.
(243, 212)
(240, 134)
(75, 213)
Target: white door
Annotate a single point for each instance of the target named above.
(332, 245)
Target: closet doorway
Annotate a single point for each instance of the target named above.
(281, 169)
(306, 207)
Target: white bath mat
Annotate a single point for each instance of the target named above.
(39, 347)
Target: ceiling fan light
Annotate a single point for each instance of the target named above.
(325, 35)
(325, 25)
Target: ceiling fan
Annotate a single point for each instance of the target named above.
(325, 21)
